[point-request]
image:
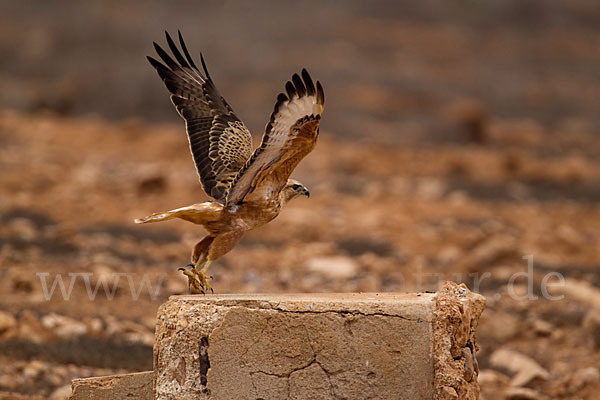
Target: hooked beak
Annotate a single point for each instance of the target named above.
(306, 192)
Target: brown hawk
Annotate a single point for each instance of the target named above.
(249, 188)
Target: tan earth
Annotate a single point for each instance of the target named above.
(404, 220)
(459, 142)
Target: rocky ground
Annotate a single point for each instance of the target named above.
(460, 142)
(400, 218)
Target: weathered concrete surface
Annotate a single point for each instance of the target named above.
(127, 386)
(456, 315)
(318, 346)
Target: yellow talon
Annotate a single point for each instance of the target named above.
(194, 285)
(198, 279)
(203, 278)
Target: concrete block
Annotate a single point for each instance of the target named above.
(126, 386)
(318, 346)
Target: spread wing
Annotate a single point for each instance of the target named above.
(220, 143)
(289, 136)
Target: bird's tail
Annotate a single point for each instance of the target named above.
(199, 213)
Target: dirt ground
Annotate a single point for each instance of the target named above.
(454, 146)
(378, 219)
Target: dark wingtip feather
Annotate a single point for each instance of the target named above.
(320, 94)
(308, 82)
(185, 51)
(175, 51)
(165, 57)
(281, 98)
(299, 85)
(290, 89)
(163, 71)
(153, 62)
(204, 66)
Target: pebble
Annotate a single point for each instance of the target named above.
(500, 326)
(64, 327)
(542, 328)
(33, 369)
(7, 322)
(337, 267)
(584, 377)
(580, 291)
(24, 228)
(519, 393)
(95, 326)
(31, 329)
(591, 324)
(524, 369)
(489, 377)
(62, 393)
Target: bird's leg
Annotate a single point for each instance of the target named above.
(197, 282)
(202, 277)
(212, 248)
(194, 285)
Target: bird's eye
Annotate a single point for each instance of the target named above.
(296, 186)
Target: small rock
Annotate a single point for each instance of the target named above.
(7, 322)
(449, 254)
(129, 331)
(491, 250)
(448, 393)
(52, 378)
(489, 377)
(542, 328)
(62, 393)
(64, 327)
(523, 368)
(24, 228)
(591, 324)
(33, 369)
(95, 326)
(8, 381)
(584, 377)
(518, 393)
(573, 237)
(580, 291)
(430, 188)
(31, 329)
(469, 117)
(21, 281)
(60, 370)
(500, 326)
(339, 267)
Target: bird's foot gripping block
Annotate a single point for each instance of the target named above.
(347, 346)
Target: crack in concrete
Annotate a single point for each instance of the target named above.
(316, 361)
(287, 376)
(277, 307)
(258, 337)
(356, 313)
(285, 386)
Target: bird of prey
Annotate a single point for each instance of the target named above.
(249, 188)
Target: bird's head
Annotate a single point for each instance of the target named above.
(293, 189)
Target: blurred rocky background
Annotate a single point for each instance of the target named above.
(459, 137)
